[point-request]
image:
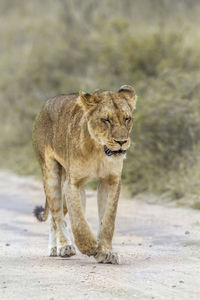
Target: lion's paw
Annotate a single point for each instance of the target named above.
(67, 251)
(108, 257)
(53, 251)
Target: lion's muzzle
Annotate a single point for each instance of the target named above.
(109, 152)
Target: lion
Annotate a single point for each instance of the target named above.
(77, 138)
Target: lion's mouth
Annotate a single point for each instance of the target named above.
(110, 152)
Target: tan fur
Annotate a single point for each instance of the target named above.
(69, 136)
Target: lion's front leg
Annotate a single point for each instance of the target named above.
(108, 195)
(84, 238)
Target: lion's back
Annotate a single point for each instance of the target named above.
(50, 120)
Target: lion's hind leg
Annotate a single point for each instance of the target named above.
(52, 238)
(59, 241)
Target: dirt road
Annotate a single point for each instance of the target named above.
(159, 247)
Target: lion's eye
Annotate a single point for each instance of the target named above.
(105, 120)
(127, 119)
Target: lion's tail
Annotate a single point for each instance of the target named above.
(41, 213)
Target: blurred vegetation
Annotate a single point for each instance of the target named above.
(51, 47)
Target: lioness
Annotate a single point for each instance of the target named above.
(79, 137)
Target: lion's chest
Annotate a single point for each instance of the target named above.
(98, 168)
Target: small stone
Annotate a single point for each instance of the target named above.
(187, 232)
(149, 257)
(7, 244)
(173, 286)
(139, 244)
(181, 281)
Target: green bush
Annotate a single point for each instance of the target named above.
(166, 135)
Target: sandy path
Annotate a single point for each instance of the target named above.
(159, 247)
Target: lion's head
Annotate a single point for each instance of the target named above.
(110, 119)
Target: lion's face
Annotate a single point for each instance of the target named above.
(110, 119)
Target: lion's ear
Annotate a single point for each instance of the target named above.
(130, 94)
(88, 100)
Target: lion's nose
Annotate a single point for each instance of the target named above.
(121, 142)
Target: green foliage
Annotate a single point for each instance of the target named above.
(166, 136)
(51, 47)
